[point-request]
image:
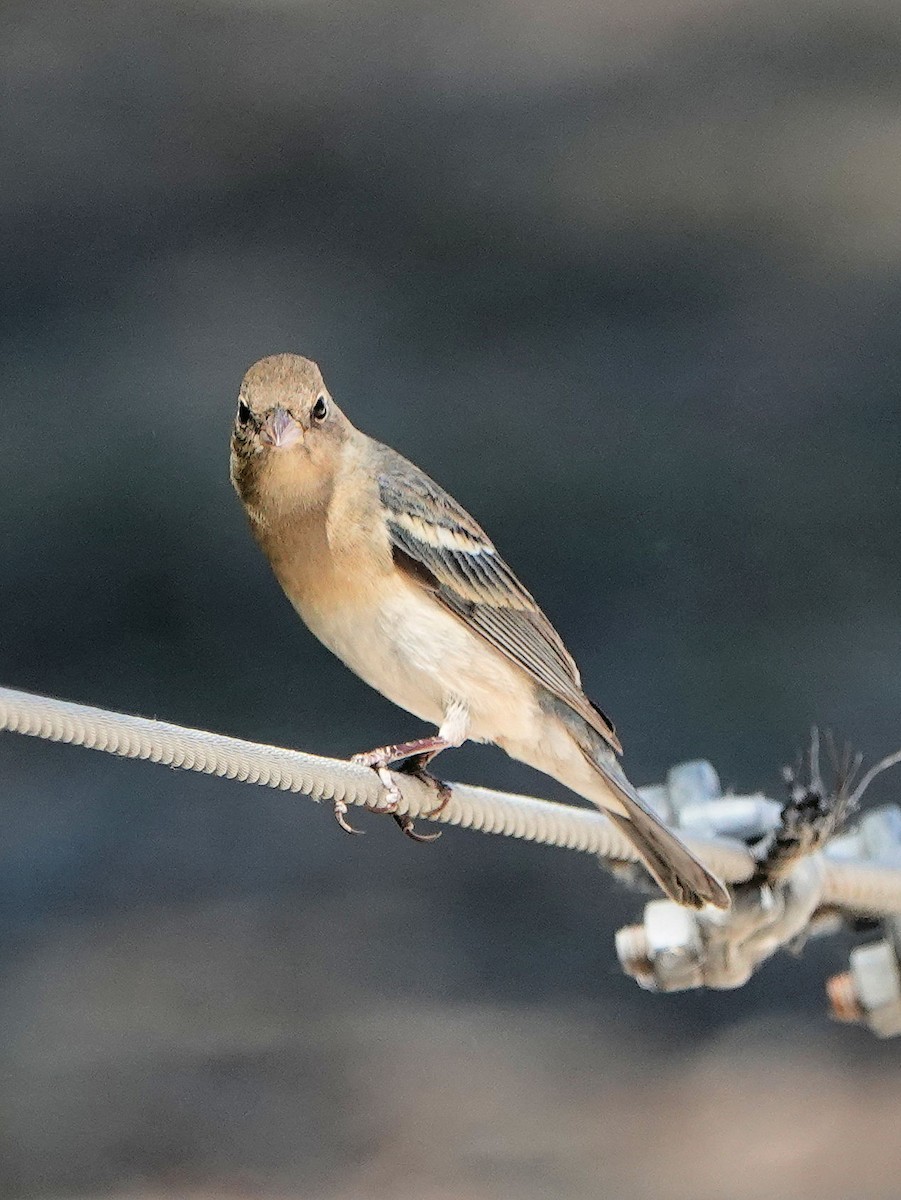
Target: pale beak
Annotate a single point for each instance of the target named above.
(279, 428)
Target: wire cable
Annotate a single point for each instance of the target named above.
(852, 885)
(329, 779)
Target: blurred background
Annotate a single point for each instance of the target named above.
(625, 278)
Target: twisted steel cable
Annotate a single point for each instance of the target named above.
(851, 885)
(331, 779)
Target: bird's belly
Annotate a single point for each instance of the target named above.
(424, 659)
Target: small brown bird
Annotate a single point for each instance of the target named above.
(399, 581)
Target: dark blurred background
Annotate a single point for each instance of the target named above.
(625, 277)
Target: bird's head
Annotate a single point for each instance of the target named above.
(287, 436)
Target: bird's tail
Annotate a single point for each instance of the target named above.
(682, 876)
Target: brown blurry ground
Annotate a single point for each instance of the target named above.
(234, 1050)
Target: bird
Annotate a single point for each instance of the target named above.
(397, 579)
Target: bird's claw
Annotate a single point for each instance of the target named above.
(373, 759)
(405, 821)
(391, 791)
(340, 810)
(444, 795)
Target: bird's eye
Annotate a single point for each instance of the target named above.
(243, 412)
(320, 409)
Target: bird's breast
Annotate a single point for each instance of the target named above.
(395, 634)
(401, 641)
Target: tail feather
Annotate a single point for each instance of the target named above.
(681, 875)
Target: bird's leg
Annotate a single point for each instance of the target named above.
(414, 757)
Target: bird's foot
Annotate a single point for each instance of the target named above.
(377, 761)
(391, 793)
(413, 758)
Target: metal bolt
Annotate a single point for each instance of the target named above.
(633, 952)
(844, 1005)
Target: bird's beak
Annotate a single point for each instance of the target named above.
(279, 428)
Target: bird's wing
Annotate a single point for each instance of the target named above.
(438, 543)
